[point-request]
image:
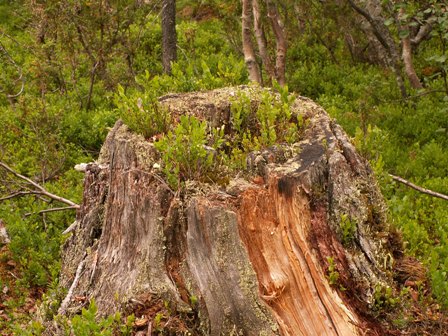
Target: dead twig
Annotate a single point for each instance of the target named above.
(65, 303)
(13, 275)
(19, 71)
(40, 190)
(416, 187)
(52, 209)
(71, 227)
(18, 194)
(418, 95)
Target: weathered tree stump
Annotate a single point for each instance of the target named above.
(296, 248)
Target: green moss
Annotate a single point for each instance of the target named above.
(348, 230)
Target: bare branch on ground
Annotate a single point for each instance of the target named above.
(420, 189)
(39, 189)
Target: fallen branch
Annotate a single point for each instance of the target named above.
(52, 209)
(424, 93)
(71, 227)
(19, 193)
(40, 190)
(4, 237)
(19, 70)
(66, 301)
(416, 187)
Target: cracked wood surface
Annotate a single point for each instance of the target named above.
(253, 254)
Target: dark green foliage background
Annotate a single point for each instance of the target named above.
(51, 125)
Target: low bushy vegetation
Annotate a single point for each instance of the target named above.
(62, 116)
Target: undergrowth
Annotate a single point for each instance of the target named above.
(86, 324)
(48, 129)
(192, 150)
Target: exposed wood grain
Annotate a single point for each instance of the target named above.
(251, 257)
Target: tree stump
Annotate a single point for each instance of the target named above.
(298, 247)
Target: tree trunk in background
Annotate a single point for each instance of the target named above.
(248, 48)
(276, 73)
(261, 41)
(296, 247)
(169, 40)
(408, 64)
(406, 54)
(280, 41)
(371, 10)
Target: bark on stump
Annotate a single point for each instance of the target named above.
(254, 257)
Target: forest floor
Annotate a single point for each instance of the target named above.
(17, 302)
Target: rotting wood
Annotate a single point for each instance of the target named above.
(251, 257)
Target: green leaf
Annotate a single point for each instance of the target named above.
(389, 21)
(440, 58)
(403, 34)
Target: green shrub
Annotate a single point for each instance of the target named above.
(193, 151)
(333, 274)
(142, 113)
(275, 119)
(87, 324)
(383, 298)
(348, 230)
(268, 123)
(34, 247)
(185, 153)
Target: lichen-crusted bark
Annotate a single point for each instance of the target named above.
(251, 257)
(120, 226)
(291, 226)
(222, 271)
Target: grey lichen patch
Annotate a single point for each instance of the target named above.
(348, 200)
(227, 231)
(257, 161)
(145, 153)
(290, 167)
(372, 239)
(213, 106)
(249, 285)
(220, 265)
(193, 188)
(237, 185)
(308, 108)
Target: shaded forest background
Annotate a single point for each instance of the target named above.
(70, 69)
